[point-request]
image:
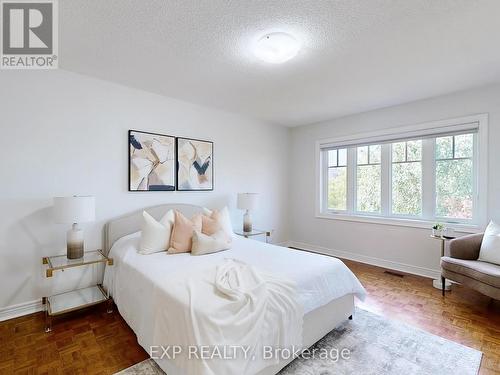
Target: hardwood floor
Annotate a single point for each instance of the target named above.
(94, 342)
(90, 341)
(463, 315)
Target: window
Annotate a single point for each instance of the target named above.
(454, 176)
(427, 173)
(406, 184)
(337, 179)
(368, 184)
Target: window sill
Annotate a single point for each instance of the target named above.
(413, 223)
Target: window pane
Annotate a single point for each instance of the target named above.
(342, 157)
(337, 188)
(464, 144)
(363, 155)
(454, 188)
(444, 147)
(398, 151)
(414, 150)
(374, 154)
(332, 158)
(407, 188)
(368, 188)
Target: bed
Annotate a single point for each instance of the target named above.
(326, 287)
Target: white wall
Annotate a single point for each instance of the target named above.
(65, 134)
(406, 248)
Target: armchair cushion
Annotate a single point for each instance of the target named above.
(484, 272)
(466, 247)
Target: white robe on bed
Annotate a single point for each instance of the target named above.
(231, 306)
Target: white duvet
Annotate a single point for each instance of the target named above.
(170, 299)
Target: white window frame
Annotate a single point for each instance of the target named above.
(480, 159)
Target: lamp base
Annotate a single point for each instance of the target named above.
(247, 222)
(74, 239)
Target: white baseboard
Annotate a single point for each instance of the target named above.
(21, 309)
(389, 264)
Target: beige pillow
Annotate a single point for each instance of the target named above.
(211, 224)
(155, 235)
(225, 220)
(182, 233)
(204, 244)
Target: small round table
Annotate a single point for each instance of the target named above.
(436, 283)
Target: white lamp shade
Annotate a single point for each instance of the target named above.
(74, 209)
(247, 201)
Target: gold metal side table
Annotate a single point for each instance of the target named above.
(62, 303)
(255, 232)
(437, 283)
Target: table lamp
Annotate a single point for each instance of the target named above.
(74, 210)
(248, 202)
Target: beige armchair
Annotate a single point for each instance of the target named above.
(464, 267)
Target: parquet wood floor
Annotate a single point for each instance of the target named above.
(94, 342)
(89, 341)
(463, 315)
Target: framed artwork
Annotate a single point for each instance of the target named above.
(195, 165)
(151, 161)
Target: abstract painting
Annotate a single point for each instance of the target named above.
(151, 161)
(195, 169)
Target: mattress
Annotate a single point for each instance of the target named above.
(319, 278)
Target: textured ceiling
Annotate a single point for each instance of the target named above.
(357, 55)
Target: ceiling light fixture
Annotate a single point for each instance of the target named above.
(276, 48)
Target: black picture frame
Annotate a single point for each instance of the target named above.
(178, 180)
(130, 140)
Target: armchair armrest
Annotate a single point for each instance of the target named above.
(466, 247)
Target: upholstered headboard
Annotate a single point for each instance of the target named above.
(131, 223)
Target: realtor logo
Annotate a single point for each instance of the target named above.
(29, 34)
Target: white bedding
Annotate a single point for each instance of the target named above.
(136, 281)
(231, 305)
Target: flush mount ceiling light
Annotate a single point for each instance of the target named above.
(276, 48)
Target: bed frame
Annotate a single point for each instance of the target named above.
(317, 323)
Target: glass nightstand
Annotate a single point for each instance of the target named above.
(76, 299)
(255, 232)
(61, 262)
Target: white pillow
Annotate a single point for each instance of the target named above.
(227, 227)
(203, 244)
(155, 235)
(490, 247)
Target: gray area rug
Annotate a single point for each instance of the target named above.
(377, 346)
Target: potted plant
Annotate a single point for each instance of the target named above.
(437, 229)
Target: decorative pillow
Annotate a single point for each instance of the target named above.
(224, 220)
(490, 247)
(182, 233)
(211, 224)
(155, 235)
(204, 244)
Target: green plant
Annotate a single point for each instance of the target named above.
(438, 226)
